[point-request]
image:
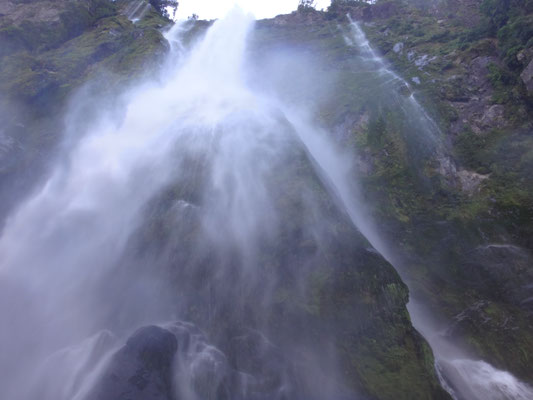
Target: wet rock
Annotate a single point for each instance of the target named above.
(527, 77)
(398, 48)
(479, 68)
(493, 116)
(424, 60)
(352, 125)
(470, 181)
(200, 367)
(524, 56)
(504, 270)
(473, 314)
(142, 369)
(472, 98)
(447, 167)
(255, 354)
(38, 11)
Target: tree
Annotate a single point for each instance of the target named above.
(306, 5)
(161, 6)
(497, 12)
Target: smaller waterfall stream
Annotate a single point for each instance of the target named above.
(137, 9)
(396, 86)
(463, 378)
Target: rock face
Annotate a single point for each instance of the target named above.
(473, 236)
(354, 302)
(527, 77)
(39, 11)
(142, 369)
(476, 109)
(48, 49)
(470, 180)
(398, 47)
(352, 306)
(177, 362)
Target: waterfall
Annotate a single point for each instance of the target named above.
(180, 246)
(60, 247)
(197, 199)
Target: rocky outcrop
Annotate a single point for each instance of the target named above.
(142, 369)
(306, 17)
(479, 192)
(36, 12)
(471, 95)
(471, 181)
(527, 77)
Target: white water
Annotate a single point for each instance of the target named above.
(463, 378)
(137, 9)
(60, 246)
(477, 380)
(376, 63)
(60, 249)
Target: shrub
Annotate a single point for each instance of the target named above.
(161, 6)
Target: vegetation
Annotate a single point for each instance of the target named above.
(441, 229)
(470, 84)
(305, 5)
(162, 6)
(43, 62)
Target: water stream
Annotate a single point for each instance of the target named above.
(136, 10)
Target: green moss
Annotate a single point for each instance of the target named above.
(439, 226)
(113, 44)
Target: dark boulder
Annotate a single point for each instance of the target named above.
(141, 370)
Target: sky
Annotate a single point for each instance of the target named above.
(212, 9)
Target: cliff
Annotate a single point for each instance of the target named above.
(443, 156)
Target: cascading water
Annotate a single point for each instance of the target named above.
(137, 9)
(462, 377)
(393, 90)
(201, 201)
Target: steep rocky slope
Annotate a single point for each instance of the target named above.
(460, 219)
(351, 303)
(464, 217)
(50, 48)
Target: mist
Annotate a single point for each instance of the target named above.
(202, 235)
(236, 187)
